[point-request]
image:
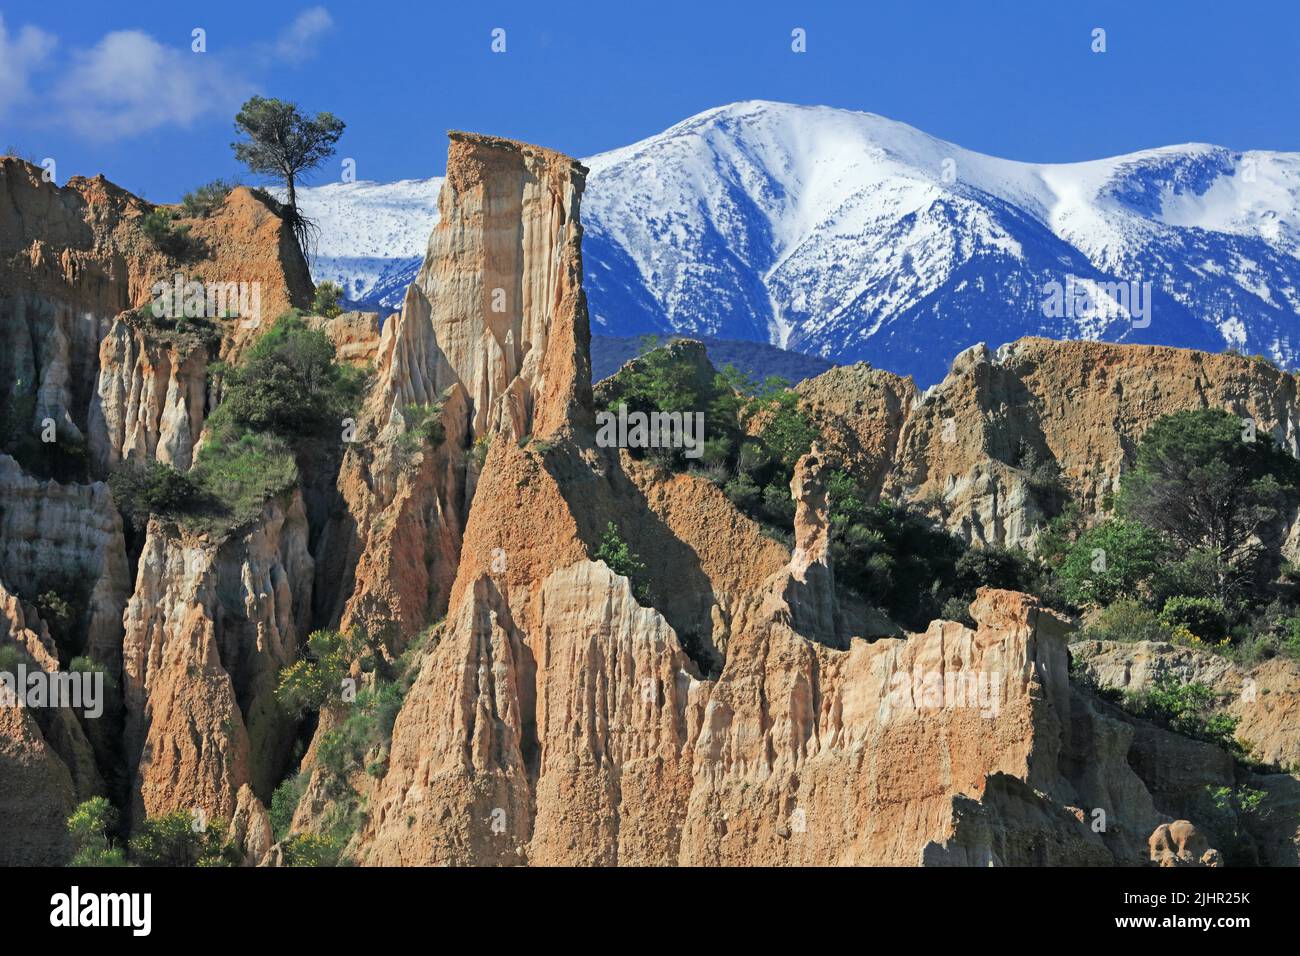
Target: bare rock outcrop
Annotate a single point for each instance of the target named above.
(207, 630)
(1181, 844)
(495, 330)
(36, 797)
(1264, 698)
(68, 532)
(150, 399)
(985, 448)
(250, 827)
(73, 257)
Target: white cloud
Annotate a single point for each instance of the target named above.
(129, 83)
(297, 42)
(19, 57)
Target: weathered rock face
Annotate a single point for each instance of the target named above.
(1181, 844)
(355, 335)
(50, 530)
(860, 412)
(36, 797)
(207, 631)
(73, 257)
(204, 641)
(590, 738)
(1264, 698)
(495, 329)
(980, 448)
(558, 721)
(149, 402)
(554, 718)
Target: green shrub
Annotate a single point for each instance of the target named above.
(310, 849)
(206, 199)
(90, 826)
(1200, 482)
(743, 493)
(1006, 568)
(1204, 617)
(237, 474)
(290, 384)
(88, 665)
(1043, 477)
(893, 557)
(142, 488)
(478, 454)
(1186, 709)
(1127, 620)
(171, 239)
(176, 839)
(1113, 560)
(62, 599)
(423, 427)
(613, 550)
(11, 655)
(328, 300)
(311, 681)
(284, 803)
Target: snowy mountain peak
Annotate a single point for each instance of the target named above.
(853, 236)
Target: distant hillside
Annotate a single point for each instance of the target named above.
(609, 352)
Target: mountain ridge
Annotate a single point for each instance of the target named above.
(850, 236)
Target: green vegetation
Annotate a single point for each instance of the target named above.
(288, 393)
(423, 428)
(206, 199)
(1208, 490)
(613, 550)
(1112, 559)
(11, 655)
(90, 827)
(359, 744)
(174, 839)
(181, 839)
(290, 385)
(62, 599)
(142, 488)
(171, 239)
(1186, 709)
(891, 555)
(328, 300)
(310, 849)
(182, 332)
(1203, 616)
(317, 678)
(1193, 556)
(478, 454)
(1231, 810)
(44, 447)
(284, 803)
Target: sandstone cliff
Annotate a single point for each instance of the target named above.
(207, 630)
(982, 448)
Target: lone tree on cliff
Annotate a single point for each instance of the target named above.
(284, 142)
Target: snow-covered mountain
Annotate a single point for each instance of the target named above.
(850, 236)
(372, 235)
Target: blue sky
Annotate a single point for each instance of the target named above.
(115, 88)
